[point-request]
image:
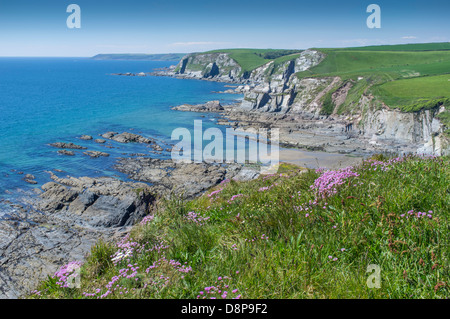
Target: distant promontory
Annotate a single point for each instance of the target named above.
(141, 57)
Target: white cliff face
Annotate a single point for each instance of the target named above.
(278, 87)
(420, 128)
(308, 59)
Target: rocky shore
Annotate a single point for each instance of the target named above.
(69, 215)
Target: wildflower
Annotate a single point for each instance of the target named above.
(147, 219)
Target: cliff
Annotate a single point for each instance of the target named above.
(290, 84)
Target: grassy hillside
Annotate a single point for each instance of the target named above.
(296, 234)
(414, 94)
(389, 65)
(404, 47)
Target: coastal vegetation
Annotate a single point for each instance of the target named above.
(300, 233)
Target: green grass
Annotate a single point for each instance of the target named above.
(417, 93)
(404, 47)
(391, 64)
(264, 244)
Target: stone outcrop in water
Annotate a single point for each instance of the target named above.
(211, 106)
(68, 146)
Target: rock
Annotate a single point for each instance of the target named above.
(100, 141)
(211, 106)
(95, 154)
(86, 137)
(30, 181)
(184, 179)
(69, 217)
(68, 146)
(109, 135)
(127, 138)
(64, 152)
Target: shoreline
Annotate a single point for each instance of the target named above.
(69, 215)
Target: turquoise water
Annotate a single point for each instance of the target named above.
(46, 100)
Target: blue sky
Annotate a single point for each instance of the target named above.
(38, 28)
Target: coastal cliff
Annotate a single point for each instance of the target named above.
(288, 85)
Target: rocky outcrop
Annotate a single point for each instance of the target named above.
(211, 106)
(218, 66)
(69, 216)
(277, 86)
(182, 179)
(126, 138)
(95, 154)
(68, 146)
(421, 128)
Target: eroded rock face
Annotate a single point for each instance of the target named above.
(96, 202)
(127, 138)
(278, 88)
(95, 154)
(420, 128)
(70, 214)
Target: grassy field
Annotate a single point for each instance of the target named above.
(404, 47)
(390, 65)
(413, 94)
(297, 234)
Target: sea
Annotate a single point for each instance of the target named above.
(48, 100)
